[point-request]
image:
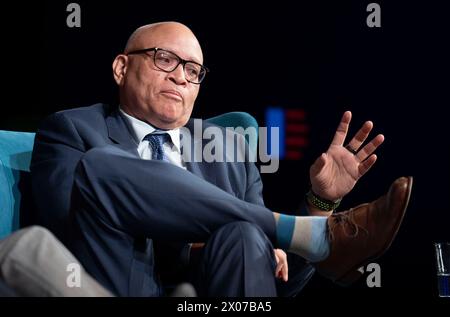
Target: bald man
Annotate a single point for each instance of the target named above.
(162, 99)
(112, 183)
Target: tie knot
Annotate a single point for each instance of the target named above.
(156, 141)
(161, 137)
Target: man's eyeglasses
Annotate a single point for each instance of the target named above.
(168, 62)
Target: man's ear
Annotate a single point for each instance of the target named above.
(119, 67)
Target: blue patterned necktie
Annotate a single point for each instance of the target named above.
(156, 141)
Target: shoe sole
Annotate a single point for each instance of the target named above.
(352, 275)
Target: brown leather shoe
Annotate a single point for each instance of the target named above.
(364, 233)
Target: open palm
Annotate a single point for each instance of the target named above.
(335, 172)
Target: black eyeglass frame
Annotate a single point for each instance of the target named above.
(180, 61)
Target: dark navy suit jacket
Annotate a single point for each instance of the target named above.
(62, 141)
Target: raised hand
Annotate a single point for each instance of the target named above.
(335, 172)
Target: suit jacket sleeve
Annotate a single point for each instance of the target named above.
(254, 190)
(57, 151)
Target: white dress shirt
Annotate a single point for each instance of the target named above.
(140, 129)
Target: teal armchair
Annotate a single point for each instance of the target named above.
(15, 157)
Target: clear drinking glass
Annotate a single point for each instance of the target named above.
(442, 251)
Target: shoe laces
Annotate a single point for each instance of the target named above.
(346, 220)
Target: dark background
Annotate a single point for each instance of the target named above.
(397, 76)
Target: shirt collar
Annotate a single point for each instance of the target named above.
(141, 129)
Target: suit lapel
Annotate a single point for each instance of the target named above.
(120, 133)
(191, 166)
(201, 169)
